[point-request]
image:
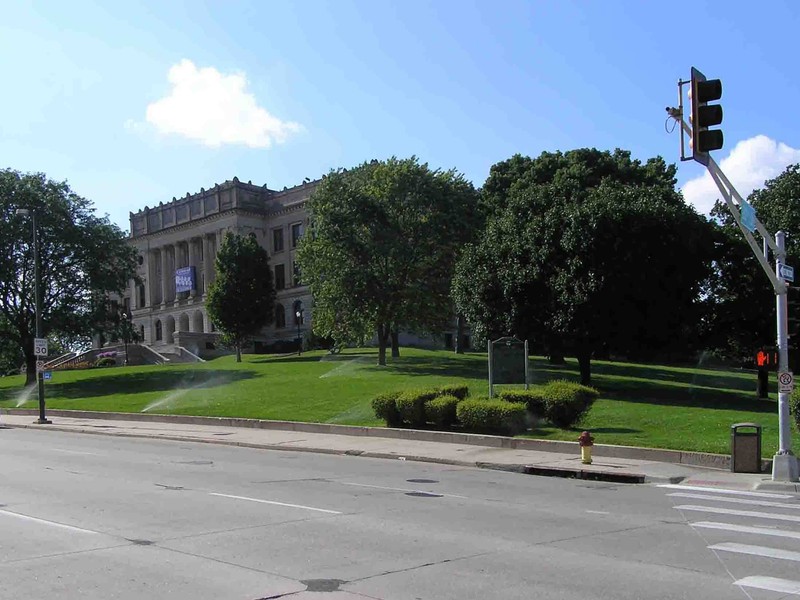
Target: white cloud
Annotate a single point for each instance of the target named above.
(215, 109)
(748, 166)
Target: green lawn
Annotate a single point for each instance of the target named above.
(641, 405)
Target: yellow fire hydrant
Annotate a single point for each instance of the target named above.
(586, 441)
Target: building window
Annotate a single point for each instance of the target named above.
(296, 274)
(277, 240)
(280, 277)
(297, 233)
(126, 305)
(280, 316)
(158, 331)
(141, 333)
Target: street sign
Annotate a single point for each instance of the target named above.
(748, 216)
(786, 273)
(39, 366)
(40, 346)
(785, 382)
(48, 375)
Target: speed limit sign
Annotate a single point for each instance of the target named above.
(785, 382)
(40, 347)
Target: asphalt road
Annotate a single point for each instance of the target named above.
(97, 517)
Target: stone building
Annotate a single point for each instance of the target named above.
(177, 243)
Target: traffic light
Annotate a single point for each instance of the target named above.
(705, 115)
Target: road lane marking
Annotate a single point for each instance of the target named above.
(598, 512)
(747, 529)
(75, 452)
(773, 584)
(735, 500)
(739, 513)
(46, 522)
(757, 551)
(694, 488)
(394, 489)
(323, 510)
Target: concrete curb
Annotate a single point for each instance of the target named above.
(544, 471)
(697, 459)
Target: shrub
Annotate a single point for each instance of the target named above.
(459, 390)
(106, 361)
(411, 406)
(385, 407)
(794, 406)
(532, 399)
(492, 416)
(442, 410)
(566, 403)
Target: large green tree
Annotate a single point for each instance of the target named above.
(587, 252)
(80, 255)
(741, 299)
(241, 301)
(384, 240)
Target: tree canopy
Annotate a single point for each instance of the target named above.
(241, 301)
(81, 255)
(741, 301)
(384, 240)
(588, 252)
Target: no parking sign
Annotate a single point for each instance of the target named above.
(785, 382)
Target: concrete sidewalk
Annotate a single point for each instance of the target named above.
(564, 463)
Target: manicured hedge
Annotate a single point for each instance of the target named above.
(385, 407)
(492, 416)
(566, 403)
(532, 399)
(458, 390)
(794, 406)
(442, 410)
(106, 361)
(411, 406)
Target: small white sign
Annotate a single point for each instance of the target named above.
(785, 382)
(40, 347)
(39, 366)
(786, 273)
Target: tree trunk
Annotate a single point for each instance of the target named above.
(383, 338)
(238, 352)
(584, 363)
(30, 369)
(460, 334)
(556, 351)
(395, 344)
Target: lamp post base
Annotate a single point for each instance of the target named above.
(784, 467)
(43, 421)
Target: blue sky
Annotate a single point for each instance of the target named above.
(134, 103)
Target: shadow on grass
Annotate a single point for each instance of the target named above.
(294, 358)
(123, 383)
(456, 367)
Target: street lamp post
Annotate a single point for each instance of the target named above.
(38, 304)
(298, 318)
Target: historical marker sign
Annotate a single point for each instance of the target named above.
(508, 362)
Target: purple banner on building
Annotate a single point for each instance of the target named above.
(185, 279)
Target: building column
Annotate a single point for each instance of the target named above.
(208, 262)
(164, 271)
(192, 263)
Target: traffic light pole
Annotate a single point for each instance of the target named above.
(784, 463)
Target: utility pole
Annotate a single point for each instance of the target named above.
(37, 296)
(703, 140)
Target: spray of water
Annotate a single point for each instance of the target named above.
(24, 395)
(347, 368)
(176, 397)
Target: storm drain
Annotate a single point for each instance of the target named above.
(141, 542)
(424, 495)
(421, 481)
(322, 585)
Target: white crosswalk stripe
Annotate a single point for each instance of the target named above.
(695, 488)
(761, 565)
(735, 500)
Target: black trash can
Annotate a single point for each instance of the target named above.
(746, 448)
